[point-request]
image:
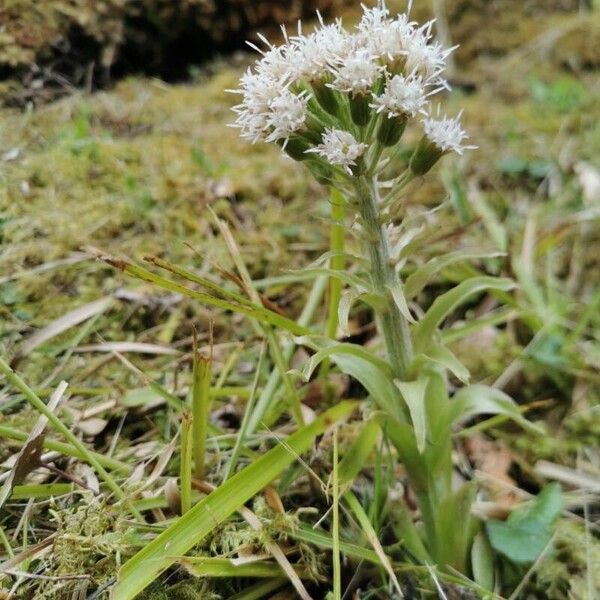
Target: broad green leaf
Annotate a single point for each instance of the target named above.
(415, 283)
(402, 437)
(140, 570)
(482, 562)
(372, 372)
(413, 393)
(357, 455)
(529, 529)
(481, 399)
(446, 303)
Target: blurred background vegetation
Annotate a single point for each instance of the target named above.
(113, 134)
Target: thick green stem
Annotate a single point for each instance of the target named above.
(391, 323)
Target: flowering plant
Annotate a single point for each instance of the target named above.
(340, 102)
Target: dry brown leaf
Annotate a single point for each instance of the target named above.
(494, 459)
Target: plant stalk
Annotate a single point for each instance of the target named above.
(390, 321)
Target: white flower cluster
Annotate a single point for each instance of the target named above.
(332, 91)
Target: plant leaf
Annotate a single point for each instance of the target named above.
(443, 356)
(415, 282)
(454, 526)
(326, 347)
(400, 301)
(529, 529)
(481, 399)
(372, 372)
(446, 303)
(140, 570)
(347, 301)
(260, 313)
(407, 532)
(413, 393)
(357, 455)
(482, 562)
(352, 280)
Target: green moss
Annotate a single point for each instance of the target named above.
(572, 569)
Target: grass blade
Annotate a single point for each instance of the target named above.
(335, 528)
(185, 469)
(19, 384)
(139, 571)
(200, 410)
(259, 313)
(208, 566)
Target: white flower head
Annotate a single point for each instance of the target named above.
(356, 73)
(275, 61)
(269, 111)
(402, 96)
(258, 91)
(287, 114)
(446, 133)
(340, 148)
(313, 53)
(425, 56)
(387, 39)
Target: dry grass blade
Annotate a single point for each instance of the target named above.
(28, 553)
(133, 347)
(364, 522)
(64, 323)
(568, 476)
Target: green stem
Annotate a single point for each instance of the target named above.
(391, 323)
(201, 401)
(336, 263)
(185, 469)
